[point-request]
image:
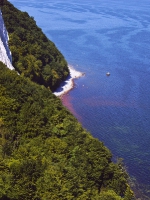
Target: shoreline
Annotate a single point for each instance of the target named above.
(68, 84)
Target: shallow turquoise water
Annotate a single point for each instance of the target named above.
(96, 37)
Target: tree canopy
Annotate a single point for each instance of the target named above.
(44, 151)
(34, 55)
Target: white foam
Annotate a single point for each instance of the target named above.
(67, 85)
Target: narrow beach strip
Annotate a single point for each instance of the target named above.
(68, 84)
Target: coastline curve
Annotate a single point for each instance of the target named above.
(68, 84)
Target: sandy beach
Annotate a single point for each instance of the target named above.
(67, 85)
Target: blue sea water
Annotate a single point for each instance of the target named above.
(96, 37)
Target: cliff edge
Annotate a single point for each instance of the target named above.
(5, 54)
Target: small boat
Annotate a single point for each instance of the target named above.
(107, 74)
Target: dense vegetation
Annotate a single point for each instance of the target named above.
(44, 151)
(34, 56)
(45, 154)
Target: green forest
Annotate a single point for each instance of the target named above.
(34, 55)
(45, 153)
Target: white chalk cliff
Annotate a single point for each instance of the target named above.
(5, 54)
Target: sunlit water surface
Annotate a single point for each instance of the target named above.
(96, 37)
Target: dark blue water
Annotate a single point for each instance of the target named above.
(96, 37)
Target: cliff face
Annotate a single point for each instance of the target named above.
(5, 54)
